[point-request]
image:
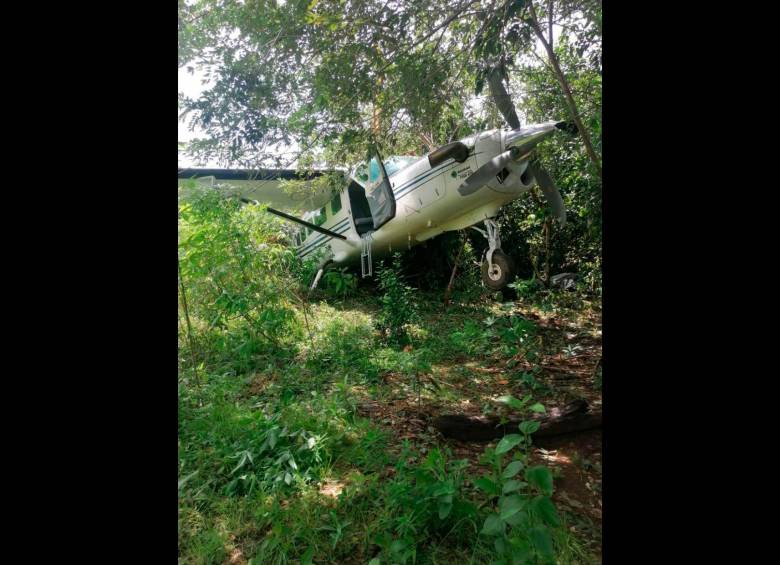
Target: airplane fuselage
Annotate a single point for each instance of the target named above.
(428, 202)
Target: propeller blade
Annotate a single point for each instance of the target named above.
(502, 99)
(486, 172)
(551, 192)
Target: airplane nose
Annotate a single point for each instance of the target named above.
(527, 137)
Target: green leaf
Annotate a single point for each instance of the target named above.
(443, 489)
(513, 402)
(187, 478)
(521, 551)
(546, 509)
(512, 485)
(517, 519)
(540, 538)
(444, 509)
(241, 463)
(541, 478)
(487, 485)
(397, 546)
(529, 427)
(273, 435)
(307, 557)
(508, 442)
(536, 407)
(512, 469)
(493, 526)
(375, 561)
(510, 505)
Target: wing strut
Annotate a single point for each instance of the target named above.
(309, 225)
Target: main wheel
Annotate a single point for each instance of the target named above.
(502, 273)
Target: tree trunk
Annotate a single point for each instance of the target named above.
(572, 105)
(550, 21)
(547, 228)
(573, 417)
(448, 291)
(189, 325)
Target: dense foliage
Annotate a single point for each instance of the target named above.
(270, 388)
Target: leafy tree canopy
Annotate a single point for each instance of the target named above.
(313, 82)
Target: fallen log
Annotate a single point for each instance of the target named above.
(576, 416)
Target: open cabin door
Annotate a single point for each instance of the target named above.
(373, 177)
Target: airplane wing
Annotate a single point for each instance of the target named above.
(263, 185)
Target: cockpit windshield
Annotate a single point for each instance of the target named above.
(398, 163)
(367, 174)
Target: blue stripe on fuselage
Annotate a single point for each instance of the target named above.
(322, 243)
(406, 187)
(322, 237)
(408, 184)
(416, 183)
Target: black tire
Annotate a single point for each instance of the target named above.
(504, 271)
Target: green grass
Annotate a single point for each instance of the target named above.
(277, 463)
(278, 467)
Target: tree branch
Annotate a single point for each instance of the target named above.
(572, 105)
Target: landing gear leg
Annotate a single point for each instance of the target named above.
(321, 270)
(316, 279)
(498, 269)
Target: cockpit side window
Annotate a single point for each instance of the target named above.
(335, 204)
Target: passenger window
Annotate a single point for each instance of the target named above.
(320, 219)
(335, 204)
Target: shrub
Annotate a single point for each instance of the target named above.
(236, 272)
(339, 282)
(524, 519)
(398, 307)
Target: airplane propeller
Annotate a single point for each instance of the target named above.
(550, 191)
(502, 98)
(487, 172)
(504, 103)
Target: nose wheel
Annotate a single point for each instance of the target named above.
(498, 269)
(502, 271)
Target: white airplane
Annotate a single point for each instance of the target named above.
(394, 204)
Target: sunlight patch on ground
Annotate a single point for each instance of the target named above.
(237, 557)
(331, 488)
(554, 456)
